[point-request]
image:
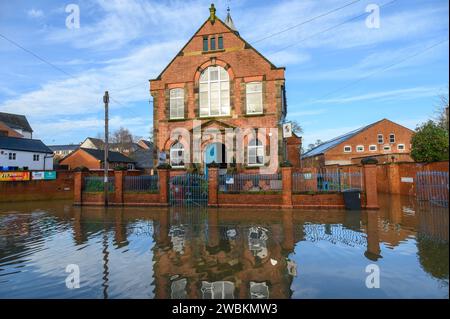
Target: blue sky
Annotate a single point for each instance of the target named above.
(337, 80)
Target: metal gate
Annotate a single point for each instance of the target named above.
(188, 190)
(433, 187)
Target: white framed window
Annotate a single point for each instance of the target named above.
(130, 166)
(254, 98)
(177, 103)
(255, 156)
(372, 148)
(35, 157)
(214, 92)
(392, 138)
(12, 156)
(360, 148)
(386, 148)
(177, 155)
(347, 149)
(401, 147)
(380, 138)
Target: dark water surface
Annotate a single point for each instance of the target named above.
(223, 253)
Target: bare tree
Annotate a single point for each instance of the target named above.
(123, 140)
(296, 128)
(150, 136)
(312, 145)
(442, 112)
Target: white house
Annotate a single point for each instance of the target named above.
(23, 153)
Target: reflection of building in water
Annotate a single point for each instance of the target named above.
(217, 290)
(394, 225)
(177, 235)
(257, 237)
(259, 290)
(178, 289)
(223, 256)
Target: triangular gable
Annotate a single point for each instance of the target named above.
(215, 123)
(203, 31)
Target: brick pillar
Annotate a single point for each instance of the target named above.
(78, 179)
(286, 178)
(370, 186)
(393, 178)
(118, 187)
(163, 186)
(213, 186)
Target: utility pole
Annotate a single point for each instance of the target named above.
(106, 148)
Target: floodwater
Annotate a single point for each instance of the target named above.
(400, 251)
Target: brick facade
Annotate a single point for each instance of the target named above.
(242, 63)
(366, 138)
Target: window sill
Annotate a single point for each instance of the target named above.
(254, 115)
(177, 120)
(214, 116)
(213, 51)
(254, 166)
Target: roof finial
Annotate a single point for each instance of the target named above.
(212, 13)
(228, 21)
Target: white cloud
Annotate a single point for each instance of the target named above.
(123, 22)
(35, 13)
(83, 94)
(391, 95)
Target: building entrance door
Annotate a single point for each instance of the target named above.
(214, 152)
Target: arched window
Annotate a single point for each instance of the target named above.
(177, 155)
(214, 88)
(176, 104)
(254, 98)
(255, 153)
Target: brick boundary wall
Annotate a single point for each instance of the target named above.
(390, 175)
(35, 190)
(285, 199)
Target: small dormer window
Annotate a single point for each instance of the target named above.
(220, 42)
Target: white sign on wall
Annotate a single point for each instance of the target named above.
(287, 130)
(407, 180)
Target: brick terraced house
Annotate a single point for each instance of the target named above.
(385, 140)
(221, 81)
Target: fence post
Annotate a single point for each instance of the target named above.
(315, 175)
(213, 186)
(393, 178)
(118, 187)
(163, 175)
(286, 178)
(370, 186)
(78, 180)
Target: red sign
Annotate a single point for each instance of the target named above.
(14, 176)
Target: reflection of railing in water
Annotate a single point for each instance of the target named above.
(334, 234)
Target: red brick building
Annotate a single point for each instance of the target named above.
(94, 159)
(385, 140)
(222, 82)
